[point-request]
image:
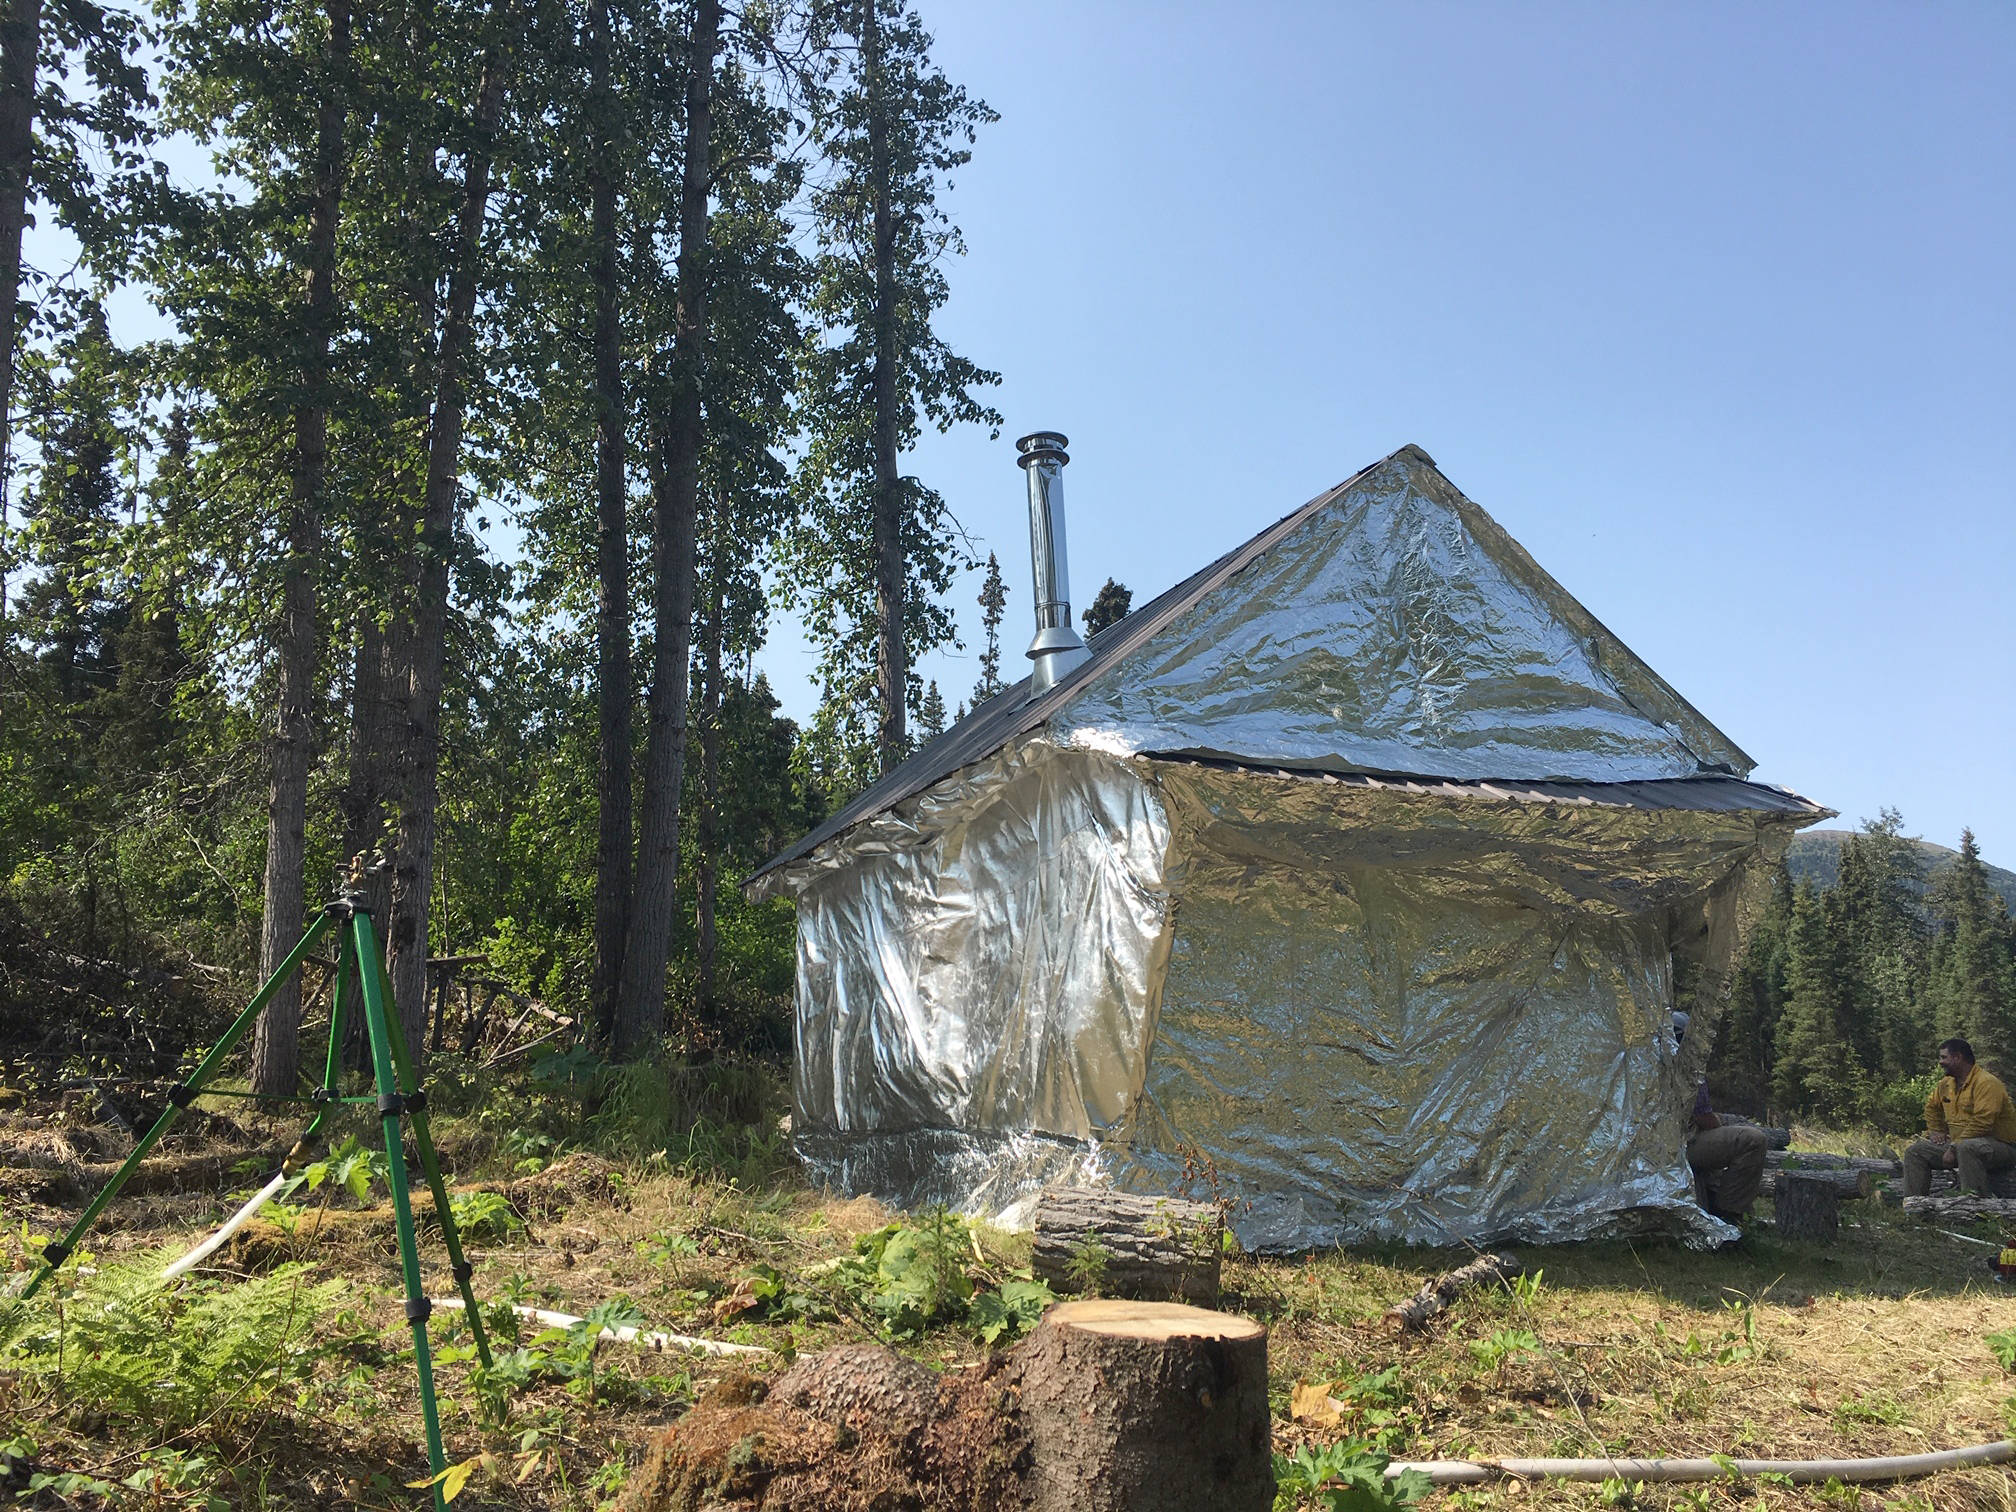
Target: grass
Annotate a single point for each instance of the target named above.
(1874, 1345)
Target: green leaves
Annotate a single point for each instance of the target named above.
(1009, 1313)
(1347, 1476)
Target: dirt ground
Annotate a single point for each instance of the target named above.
(1873, 1345)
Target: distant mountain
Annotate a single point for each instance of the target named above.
(1815, 857)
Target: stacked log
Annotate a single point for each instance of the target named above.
(1850, 1184)
(1961, 1207)
(1093, 1239)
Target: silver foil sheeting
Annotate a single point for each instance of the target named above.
(1352, 1012)
(1400, 629)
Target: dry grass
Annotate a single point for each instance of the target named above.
(1871, 1346)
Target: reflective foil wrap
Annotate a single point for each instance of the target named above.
(1176, 925)
(1361, 1012)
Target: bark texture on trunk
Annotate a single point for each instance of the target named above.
(369, 791)
(892, 658)
(706, 883)
(1118, 1244)
(276, 1049)
(420, 765)
(640, 1007)
(1132, 1405)
(612, 551)
(20, 49)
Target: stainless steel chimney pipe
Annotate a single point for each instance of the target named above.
(1057, 647)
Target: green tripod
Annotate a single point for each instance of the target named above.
(400, 1097)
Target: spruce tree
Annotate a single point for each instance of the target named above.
(1113, 604)
(1817, 1074)
(931, 714)
(993, 604)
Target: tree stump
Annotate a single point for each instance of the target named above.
(1133, 1406)
(1114, 1243)
(1107, 1407)
(1808, 1206)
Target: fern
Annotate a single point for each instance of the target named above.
(168, 1355)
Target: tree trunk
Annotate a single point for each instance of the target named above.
(640, 1008)
(707, 881)
(1138, 1405)
(413, 870)
(1807, 1206)
(276, 1052)
(1115, 1244)
(892, 661)
(20, 47)
(367, 792)
(612, 551)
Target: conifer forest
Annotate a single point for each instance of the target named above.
(525, 361)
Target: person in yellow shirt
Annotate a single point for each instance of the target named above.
(1969, 1124)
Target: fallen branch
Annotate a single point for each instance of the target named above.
(650, 1340)
(1435, 1295)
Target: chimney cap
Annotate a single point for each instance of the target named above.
(1041, 446)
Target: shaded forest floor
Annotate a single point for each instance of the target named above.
(281, 1377)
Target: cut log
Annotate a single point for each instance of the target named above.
(2002, 1183)
(1850, 1184)
(1808, 1206)
(1812, 1160)
(1487, 1270)
(1108, 1407)
(1092, 1239)
(1961, 1207)
(1138, 1405)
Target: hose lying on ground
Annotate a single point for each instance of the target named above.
(1888, 1467)
(235, 1222)
(649, 1339)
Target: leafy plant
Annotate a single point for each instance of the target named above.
(1347, 1476)
(1010, 1312)
(485, 1217)
(352, 1165)
(909, 1275)
(2003, 1346)
(1086, 1267)
(1503, 1347)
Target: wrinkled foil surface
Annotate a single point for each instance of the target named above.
(1400, 629)
(1353, 1012)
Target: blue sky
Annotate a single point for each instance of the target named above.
(1710, 306)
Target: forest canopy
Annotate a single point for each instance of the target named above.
(522, 359)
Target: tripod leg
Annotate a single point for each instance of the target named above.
(423, 1144)
(178, 1098)
(391, 1109)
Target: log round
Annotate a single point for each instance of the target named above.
(1808, 1206)
(1132, 1406)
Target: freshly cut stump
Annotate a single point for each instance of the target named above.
(1808, 1206)
(1146, 1407)
(1155, 1248)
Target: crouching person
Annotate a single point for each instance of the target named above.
(1970, 1126)
(1728, 1160)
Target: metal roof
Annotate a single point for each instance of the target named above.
(1010, 713)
